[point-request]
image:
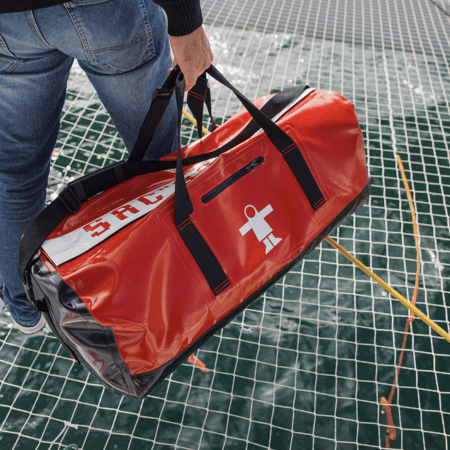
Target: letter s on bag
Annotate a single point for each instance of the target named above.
(104, 226)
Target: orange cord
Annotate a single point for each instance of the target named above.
(391, 433)
(196, 362)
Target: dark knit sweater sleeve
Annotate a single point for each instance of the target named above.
(184, 16)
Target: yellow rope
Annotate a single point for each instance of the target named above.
(189, 117)
(368, 272)
(389, 289)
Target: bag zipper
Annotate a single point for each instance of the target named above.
(232, 179)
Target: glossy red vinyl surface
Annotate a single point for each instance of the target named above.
(143, 282)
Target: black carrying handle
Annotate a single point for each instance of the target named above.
(199, 249)
(193, 239)
(199, 96)
(160, 102)
(282, 141)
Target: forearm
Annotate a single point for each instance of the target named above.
(184, 16)
(190, 45)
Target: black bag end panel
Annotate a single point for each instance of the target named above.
(146, 382)
(87, 341)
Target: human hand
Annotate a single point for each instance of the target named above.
(193, 54)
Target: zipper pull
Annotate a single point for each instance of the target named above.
(254, 164)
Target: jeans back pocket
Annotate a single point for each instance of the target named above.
(115, 34)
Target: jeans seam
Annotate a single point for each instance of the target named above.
(12, 66)
(121, 47)
(117, 71)
(4, 50)
(147, 22)
(36, 30)
(84, 41)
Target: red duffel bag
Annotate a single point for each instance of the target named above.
(136, 265)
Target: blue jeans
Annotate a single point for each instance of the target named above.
(123, 47)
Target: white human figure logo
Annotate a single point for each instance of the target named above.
(257, 223)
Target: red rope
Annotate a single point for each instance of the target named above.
(391, 433)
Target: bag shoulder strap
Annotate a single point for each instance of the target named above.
(77, 192)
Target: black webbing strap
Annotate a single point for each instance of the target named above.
(274, 106)
(198, 96)
(160, 102)
(204, 256)
(195, 242)
(282, 142)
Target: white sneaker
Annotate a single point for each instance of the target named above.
(40, 326)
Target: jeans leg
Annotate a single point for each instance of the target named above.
(123, 47)
(32, 97)
(127, 96)
(126, 56)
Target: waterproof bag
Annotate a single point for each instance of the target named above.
(136, 265)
